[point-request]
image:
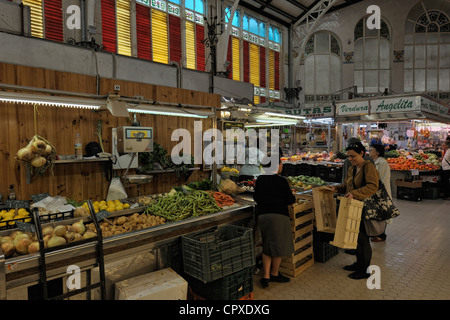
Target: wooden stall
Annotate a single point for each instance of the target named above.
(88, 180)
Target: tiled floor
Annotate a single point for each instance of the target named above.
(414, 263)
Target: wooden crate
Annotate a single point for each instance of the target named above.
(347, 227)
(302, 218)
(325, 210)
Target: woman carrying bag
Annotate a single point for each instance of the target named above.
(355, 187)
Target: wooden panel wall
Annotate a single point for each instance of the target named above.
(82, 181)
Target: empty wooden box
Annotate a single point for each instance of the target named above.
(347, 226)
(325, 210)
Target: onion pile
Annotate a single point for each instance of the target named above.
(26, 242)
(39, 154)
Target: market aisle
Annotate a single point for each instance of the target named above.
(413, 261)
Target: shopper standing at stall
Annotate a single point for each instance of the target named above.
(347, 163)
(446, 169)
(251, 169)
(361, 183)
(273, 196)
(376, 152)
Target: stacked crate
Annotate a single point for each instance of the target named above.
(219, 265)
(302, 217)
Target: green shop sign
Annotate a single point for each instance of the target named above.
(352, 108)
(312, 112)
(395, 104)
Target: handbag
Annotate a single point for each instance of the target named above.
(378, 206)
(373, 227)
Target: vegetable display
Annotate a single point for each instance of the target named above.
(222, 199)
(39, 155)
(123, 224)
(179, 206)
(305, 182)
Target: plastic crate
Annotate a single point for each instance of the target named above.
(289, 170)
(322, 172)
(323, 251)
(232, 287)
(431, 193)
(304, 169)
(213, 255)
(412, 194)
(335, 174)
(347, 225)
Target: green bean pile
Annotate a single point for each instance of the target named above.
(182, 206)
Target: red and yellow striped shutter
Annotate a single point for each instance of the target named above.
(109, 25)
(190, 45)
(53, 20)
(254, 68)
(37, 22)
(236, 59)
(175, 34)
(143, 32)
(160, 37)
(123, 27)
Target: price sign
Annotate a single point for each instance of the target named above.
(25, 227)
(102, 214)
(414, 172)
(38, 197)
(13, 204)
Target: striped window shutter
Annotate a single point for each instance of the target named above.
(123, 27)
(271, 70)
(277, 70)
(53, 20)
(230, 57)
(109, 25)
(37, 23)
(246, 61)
(190, 45)
(236, 59)
(200, 46)
(254, 68)
(262, 70)
(143, 32)
(175, 38)
(160, 39)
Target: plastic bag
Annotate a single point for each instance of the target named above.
(53, 204)
(116, 190)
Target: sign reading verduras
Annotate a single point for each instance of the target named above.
(352, 108)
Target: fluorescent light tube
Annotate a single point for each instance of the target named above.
(284, 115)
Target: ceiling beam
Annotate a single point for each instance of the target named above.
(265, 14)
(298, 5)
(266, 4)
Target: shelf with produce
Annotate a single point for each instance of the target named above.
(66, 161)
(26, 267)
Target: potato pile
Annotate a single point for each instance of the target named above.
(127, 223)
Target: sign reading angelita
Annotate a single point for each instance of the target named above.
(400, 105)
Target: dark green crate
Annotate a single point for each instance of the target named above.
(231, 287)
(213, 255)
(431, 193)
(323, 251)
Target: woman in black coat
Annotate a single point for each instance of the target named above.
(273, 196)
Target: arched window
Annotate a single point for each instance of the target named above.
(322, 67)
(427, 52)
(372, 67)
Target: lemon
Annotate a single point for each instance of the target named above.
(102, 202)
(119, 207)
(110, 209)
(126, 205)
(96, 203)
(21, 210)
(103, 207)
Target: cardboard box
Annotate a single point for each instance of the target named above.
(123, 269)
(412, 184)
(164, 284)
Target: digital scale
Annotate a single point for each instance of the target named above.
(130, 140)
